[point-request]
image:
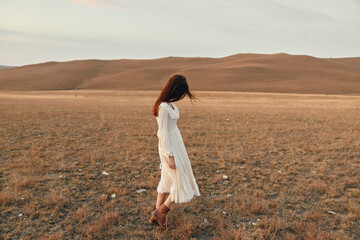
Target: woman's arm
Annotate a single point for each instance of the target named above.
(163, 133)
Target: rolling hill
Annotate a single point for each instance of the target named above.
(241, 72)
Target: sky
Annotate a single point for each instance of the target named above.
(62, 30)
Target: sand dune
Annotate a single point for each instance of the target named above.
(241, 72)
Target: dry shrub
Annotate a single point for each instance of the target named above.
(319, 187)
(352, 182)
(313, 231)
(314, 216)
(107, 220)
(80, 216)
(7, 197)
(182, 226)
(55, 200)
(239, 233)
(53, 236)
(220, 223)
(118, 191)
(258, 206)
(31, 210)
(19, 182)
(102, 199)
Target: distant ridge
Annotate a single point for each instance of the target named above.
(240, 72)
(4, 66)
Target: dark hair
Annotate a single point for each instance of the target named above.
(174, 90)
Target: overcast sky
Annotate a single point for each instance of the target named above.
(61, 30)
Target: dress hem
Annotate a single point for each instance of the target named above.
(188, 200)
(162, 192)
(177, 202)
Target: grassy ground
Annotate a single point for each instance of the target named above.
(292, 165)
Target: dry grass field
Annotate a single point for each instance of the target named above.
(268, 166)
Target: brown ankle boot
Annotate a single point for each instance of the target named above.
(153, 218)
(160, 215)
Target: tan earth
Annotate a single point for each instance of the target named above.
(268, 166)
(282, 73)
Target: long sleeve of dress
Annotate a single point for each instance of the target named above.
(163, 132)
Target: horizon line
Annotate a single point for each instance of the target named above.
(169, 56)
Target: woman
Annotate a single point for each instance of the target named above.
(177, 177)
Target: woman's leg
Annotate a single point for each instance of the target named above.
(160, 199)
(168, 201)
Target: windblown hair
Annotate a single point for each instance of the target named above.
(174, 90)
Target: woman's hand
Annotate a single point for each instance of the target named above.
(171, 162)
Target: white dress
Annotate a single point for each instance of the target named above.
(179, 182)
